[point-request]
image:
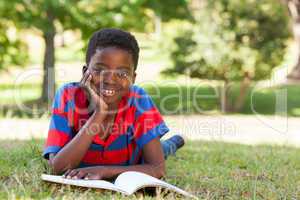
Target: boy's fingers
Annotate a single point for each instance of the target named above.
(95, 176)
(66, 173)
(72, 173)
(87, 176)
(86, 83)
(88, 80)
(80, 174)
(90, 87)
(85, 77)
(93, 88)
(88, 77)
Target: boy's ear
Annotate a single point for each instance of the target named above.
(84, 69)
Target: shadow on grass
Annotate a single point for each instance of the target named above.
(29, 109)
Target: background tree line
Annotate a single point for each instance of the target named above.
(85, 16)
(227, 40)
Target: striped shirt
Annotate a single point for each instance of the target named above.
(137, 122)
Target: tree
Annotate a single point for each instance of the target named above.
(294, 11)
(45, 16)
(85, 16)
(231, 40)
(12, 50)
(163, 11)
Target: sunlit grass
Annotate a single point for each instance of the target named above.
(210, 170)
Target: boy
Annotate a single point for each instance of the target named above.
(106, 125)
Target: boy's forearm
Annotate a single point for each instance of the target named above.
(157, 170)
(108, 172)
(70, 155)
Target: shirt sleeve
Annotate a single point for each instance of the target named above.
(149, 123)
(60, 130)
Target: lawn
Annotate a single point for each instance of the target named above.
(210, 170)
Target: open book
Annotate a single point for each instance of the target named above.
(126, 183)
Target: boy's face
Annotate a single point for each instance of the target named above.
(112, 72)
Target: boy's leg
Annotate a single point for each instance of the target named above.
(171, 145)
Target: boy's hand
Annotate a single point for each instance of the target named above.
(88, 173)
(101, 108)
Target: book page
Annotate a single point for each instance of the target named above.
(101, 184)
(133, 181)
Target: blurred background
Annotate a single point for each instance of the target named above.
(218, 70)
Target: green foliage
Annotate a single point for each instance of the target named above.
(231, 38)
(12, 50)
(169, 9)
(90, 15)
(86, 16)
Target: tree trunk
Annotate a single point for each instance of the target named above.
(48, 91)
(243, 93)
(294, 9)
(224, 97)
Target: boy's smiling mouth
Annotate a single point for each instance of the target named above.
(108, 92)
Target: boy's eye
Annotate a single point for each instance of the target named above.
(123, 74)
(97, 70)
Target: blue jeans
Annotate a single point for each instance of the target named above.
(169, 148)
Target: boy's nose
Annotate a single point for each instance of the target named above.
(109, 77)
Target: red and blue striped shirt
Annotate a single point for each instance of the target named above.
(137, 122)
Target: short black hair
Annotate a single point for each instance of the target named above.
(112, 37)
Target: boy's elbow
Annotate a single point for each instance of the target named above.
(55, 167)
(161, 171)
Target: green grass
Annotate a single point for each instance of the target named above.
(264, 100)
(26, 92)
(205, 100)
(210, 170)
(178, 100)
